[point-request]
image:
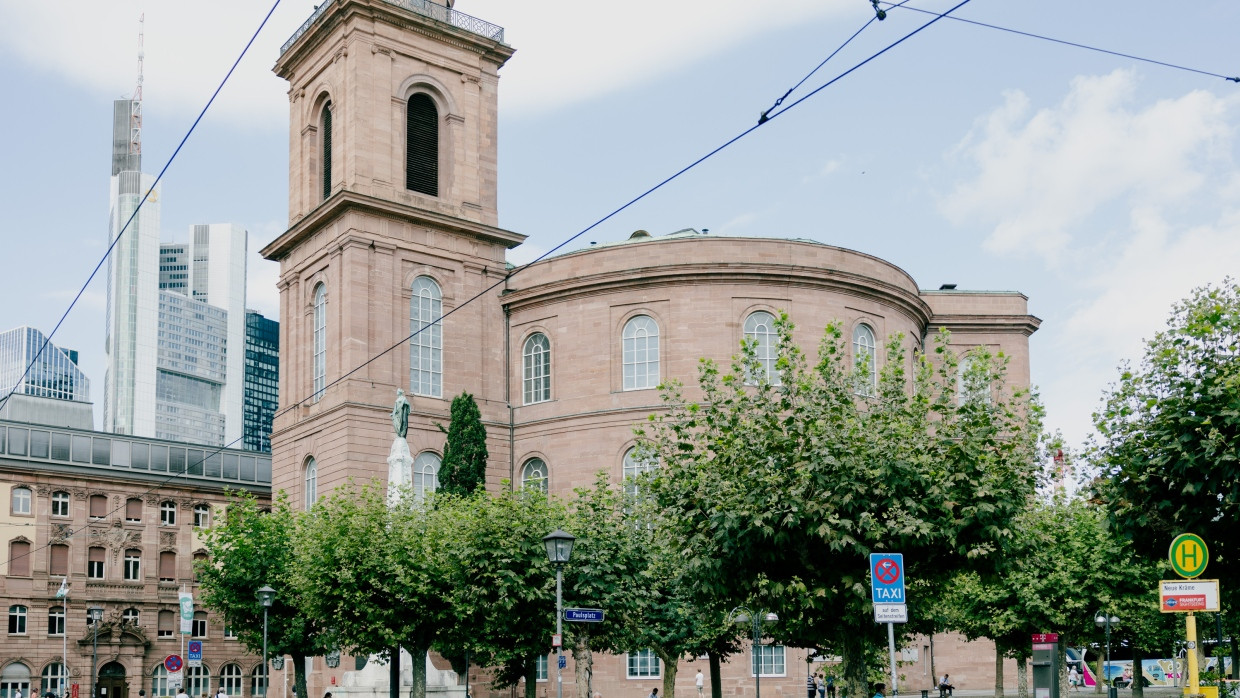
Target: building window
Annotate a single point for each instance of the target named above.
(198, 628)
(864, 360)
(769, 659)
(165, 627)
(19, 558)
(202, 516)
(59, 563)
(131, 616)
(21, 501)
(230, 679)
(94, 563)
(320, 341)
(536, 364)
(229, 632)
(159, 678)
(200, 559)
(312, 483)
(540, 668)
(60, 504)
(640, 346)
(97, 506)
(54, 676)
(133, 510)
(426, 346)
(425, 475)
(325, 124)
(14, 677)
(760, 330)
(17, 620)
(167, 514)
(133, 565)
(634, 469)
(971, 386)
(167, 566)
(197, 680)
(643, 665)
(258, 681)
(534, 474)
(422, 145)
(56, 620)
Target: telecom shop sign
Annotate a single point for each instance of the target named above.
(583, 615)
(887, 578)
(1188, 596)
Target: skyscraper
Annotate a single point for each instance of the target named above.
(54, 375)
(262, 379)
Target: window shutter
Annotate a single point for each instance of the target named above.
(165, 622)
(60, 560)
(19, 558)
(98, 506)
(422, 145)
(133, 510)
(167, 566)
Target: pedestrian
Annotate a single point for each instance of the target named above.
(700, 682)
(17, 693)
(1074, 678)
(654, 693)
(830, 685)
(879, 690)
(822, 686)
(811, 686)
(220, 693)
(181, 693)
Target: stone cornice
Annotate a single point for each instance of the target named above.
(1015, 324)
(343, 201)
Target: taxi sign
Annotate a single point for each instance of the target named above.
(1189, 555)
(887, 577)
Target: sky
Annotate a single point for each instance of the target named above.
(1102, 187)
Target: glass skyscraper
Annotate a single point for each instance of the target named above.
(54, 375)
(262, 379)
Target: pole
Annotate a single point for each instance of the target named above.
(64, 656)
(559, 630)
(1107, 669)
(94, 661)
(266, 673)
(891, 650)
(1190, 622)
(757, 654)
(466, 673)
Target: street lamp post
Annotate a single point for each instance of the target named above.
(1106, 620)
(743, 616)
(266, 596)
(559, 547)
(94, 614)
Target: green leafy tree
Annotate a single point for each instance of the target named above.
(248, 549)
(777, 493)
(371, 574)
(464, 466)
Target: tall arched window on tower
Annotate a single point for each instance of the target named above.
(325, 127)
(426, 347)
(534, 474)
(422, 145)
(864, 360)
(536, 367)
(425, 475)
(312, 483)
(320, 340)
(640, 348)
(760, 329)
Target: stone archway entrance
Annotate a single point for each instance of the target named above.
(112, 682)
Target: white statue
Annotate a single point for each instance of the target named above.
(400, 460)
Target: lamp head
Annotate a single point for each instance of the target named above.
(94, 613)
(266, 596)
(559, 546)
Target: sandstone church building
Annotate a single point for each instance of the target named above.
(393, 225)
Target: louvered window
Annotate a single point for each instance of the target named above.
(327, 150)
(59, 564)
(167, 566)
(422, 145)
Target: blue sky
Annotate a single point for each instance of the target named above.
(1102, 188)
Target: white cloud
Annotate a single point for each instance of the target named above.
(1040, 176)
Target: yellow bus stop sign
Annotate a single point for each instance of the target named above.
(1189, 555)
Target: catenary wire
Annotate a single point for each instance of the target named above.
(108, 252)
(1087, 47)
(620, 209)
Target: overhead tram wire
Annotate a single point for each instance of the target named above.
(108, 252)
(1074, 44)
(626, 205)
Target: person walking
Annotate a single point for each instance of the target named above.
(811, 686)
(700, 682)
(830, 685)
(822, 685)
(879, 689)
(1074, 678)
(654, 693)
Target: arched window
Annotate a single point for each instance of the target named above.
(760, 329)
(133, 565)
(21, 501)
(60, 504)
(634, 469)
(14, 677)
(19, 558)
(56, 620)
(422, 145)
(320, 340)
(536, 365)
(325, 127)
(426, 347)
(972, 383)
(864, 360)
(167, 513)
(53, 678)
(197, 679)
(640, 347)
(17, 620)
(258, 681)
(159, 677)
(425, 475)
(312, 483)
(230, 679)
(534, 474)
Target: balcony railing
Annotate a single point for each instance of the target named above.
(426, 8)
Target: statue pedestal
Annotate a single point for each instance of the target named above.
(400, 469)
(372, 680)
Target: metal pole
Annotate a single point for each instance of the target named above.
(266, 673)
(64, 657)
(1106, 670)
(1190, 623)
(466, 673)
(94, 661)
(891, 650)
(559, 631)
(757, 655)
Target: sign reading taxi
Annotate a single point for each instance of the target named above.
(1188, 596)
(1189, 555)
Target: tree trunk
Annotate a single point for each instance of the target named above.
(716, 688)
(299, 676)
(671, 663)
(417, 673)
(934, 677)
(1235, 657)
(1138, 673)
(854, 669)
(394, 673)
(1100, 677)
(1022, 677)
(531, 678)
(1063, 669)
(998, 672)
(583, 658)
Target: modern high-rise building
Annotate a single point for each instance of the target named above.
(262, 379)
(55, 374)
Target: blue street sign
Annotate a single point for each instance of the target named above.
(195, 651)
(887, 577)
(563, 661)
(584, 615)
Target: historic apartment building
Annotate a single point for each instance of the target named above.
(111, 515)
(393, 225)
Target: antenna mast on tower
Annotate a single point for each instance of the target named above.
(135, 112)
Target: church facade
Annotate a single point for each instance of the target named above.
(394, 231)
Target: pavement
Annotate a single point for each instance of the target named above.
(1150, 692)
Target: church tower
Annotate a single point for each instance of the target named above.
(392, 225)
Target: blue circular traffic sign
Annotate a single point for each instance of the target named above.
(173, 663)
